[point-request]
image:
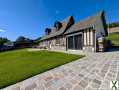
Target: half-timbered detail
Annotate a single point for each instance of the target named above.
(82, 35)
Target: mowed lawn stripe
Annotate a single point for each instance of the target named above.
(18, 65)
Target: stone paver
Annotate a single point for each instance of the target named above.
(93, 72)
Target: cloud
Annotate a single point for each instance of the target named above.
(2, 30)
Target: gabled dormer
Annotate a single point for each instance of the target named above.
(59, 28)
(57, 25)
(47, 31)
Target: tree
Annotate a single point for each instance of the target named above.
(22, 41)
(37, 41)
(3, 40)
(114, 24)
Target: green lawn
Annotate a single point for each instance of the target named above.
(18, 65)
(114, 37)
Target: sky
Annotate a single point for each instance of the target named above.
(29, 18)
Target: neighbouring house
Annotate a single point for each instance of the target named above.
(7, 46)
(71, 35)
(113, 30)
(9, 43)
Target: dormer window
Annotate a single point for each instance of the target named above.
(47, 31)
(57, 25)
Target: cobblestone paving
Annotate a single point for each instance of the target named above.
(93, 72)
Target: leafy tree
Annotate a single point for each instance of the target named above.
(37, 41)
(3, 40)
(114, 24)
(22, 41)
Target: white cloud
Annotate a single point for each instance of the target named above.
(2, 30)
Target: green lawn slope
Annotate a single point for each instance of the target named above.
(18, 65)
(114, 37)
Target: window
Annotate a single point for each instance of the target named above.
(75, 42)
(70, 42)
(78, 41)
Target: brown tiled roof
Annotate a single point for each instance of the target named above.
(88, 22)
(65, 25)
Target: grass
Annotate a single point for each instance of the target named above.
(114, 37)
(19, 65)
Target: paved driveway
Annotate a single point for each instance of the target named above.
(93, 72)
(90, 73)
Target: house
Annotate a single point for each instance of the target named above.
(7, 46)
(71, 35)
(113, 30)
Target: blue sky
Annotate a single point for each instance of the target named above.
(29, 18)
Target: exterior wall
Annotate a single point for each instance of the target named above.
(42, 44)
(89, 40)
(53, 45)
(84, 39)
(100, 31)
(59, 43)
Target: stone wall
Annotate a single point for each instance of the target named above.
(59, 43)
(58, 46)
(55, 44)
